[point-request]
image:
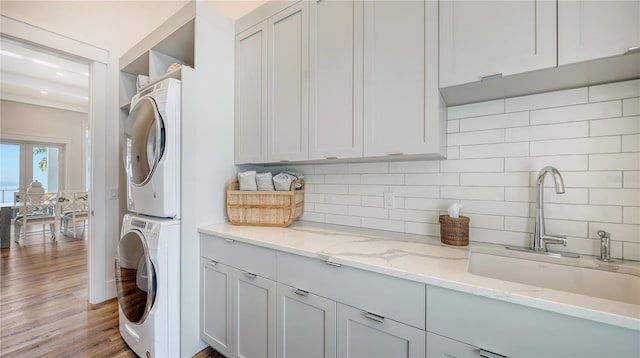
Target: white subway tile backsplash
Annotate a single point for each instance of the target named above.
(626, 197)
(631, 179)
(472, 192)
(618, 161)
(473, 165)
(576, 146)
(494, 150)
(547, 100)
(585, 179)
(495, 179)
(576, 113)
(617, 90)
(614, 126)
(504, 208)
(619, 232)
(453, 126)
(595, 145)
(416, 191)
(571, 196)
(610, 214)
(343, 220)
(382, 179)
(426, 166)
(534, 164)
(476, 109)
(546, 132)
(631, 215)
(477, 137)
(631, 107)
(631, 251)
(420, 216)
(422, 229)
(433, 179)
(507, 120)
(342, 179)
(382, 224)
(631, 143)
(368, 168)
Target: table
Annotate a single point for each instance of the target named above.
(6, 213)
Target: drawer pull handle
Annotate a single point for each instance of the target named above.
(393, 153)
(229, 240)
(301, 293)
(487, 354)
(491, 76)
(251, 275)
(374, 317)
(212, 263)
(632, 50)
(284, 161)
(335, 264)
(330, 157)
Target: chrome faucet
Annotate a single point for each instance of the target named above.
(605, 246)
(540, 238)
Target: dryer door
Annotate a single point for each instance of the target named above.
(144, 135)
(135, 277)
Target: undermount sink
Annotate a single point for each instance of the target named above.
(584, 276)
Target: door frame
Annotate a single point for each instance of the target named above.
(100, 271)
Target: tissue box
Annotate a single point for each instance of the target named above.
(454, 231)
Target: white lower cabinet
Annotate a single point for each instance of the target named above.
(215, 305)
(306, 324)
(367, 335)
(254, 315)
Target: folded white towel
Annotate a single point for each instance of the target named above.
(282, 181)
(265, 181)
(247, 180)
(142, 81)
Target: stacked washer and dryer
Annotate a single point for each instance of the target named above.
(147, 266)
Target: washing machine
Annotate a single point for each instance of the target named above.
(152, 150)
(147, 276)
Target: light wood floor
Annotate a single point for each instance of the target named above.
(44, 309)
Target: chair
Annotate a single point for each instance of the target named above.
(74, 208)
(41, 210)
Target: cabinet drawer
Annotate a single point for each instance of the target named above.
(390, 297)
(250, 258)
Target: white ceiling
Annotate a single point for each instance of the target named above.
(32, 76)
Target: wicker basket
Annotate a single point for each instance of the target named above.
(454, 231)
(264, 208)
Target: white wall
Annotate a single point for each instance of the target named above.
(591, 135)
(20, 121)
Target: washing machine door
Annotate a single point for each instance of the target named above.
(135, 277)
(145, 138)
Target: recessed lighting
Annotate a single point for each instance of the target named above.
(43, 92)
(60, 74)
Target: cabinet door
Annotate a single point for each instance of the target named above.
(306, 324)
(594, 29)
(216, 305)
(335, 118)
(288, 84)
(361, 334)
(394, 78)
(484, 38)
(442, 347)
(251, 95)
(254, 313)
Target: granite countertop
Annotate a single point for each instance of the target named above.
(426, 260)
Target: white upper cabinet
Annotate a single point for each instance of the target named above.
(335, 118)
(288, 84)
(589, 29)
(480, 39)
(251, 95)
(401, 99)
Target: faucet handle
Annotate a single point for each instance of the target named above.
(603, 234)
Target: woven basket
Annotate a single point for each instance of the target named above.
(454, 231)
(264, 208)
